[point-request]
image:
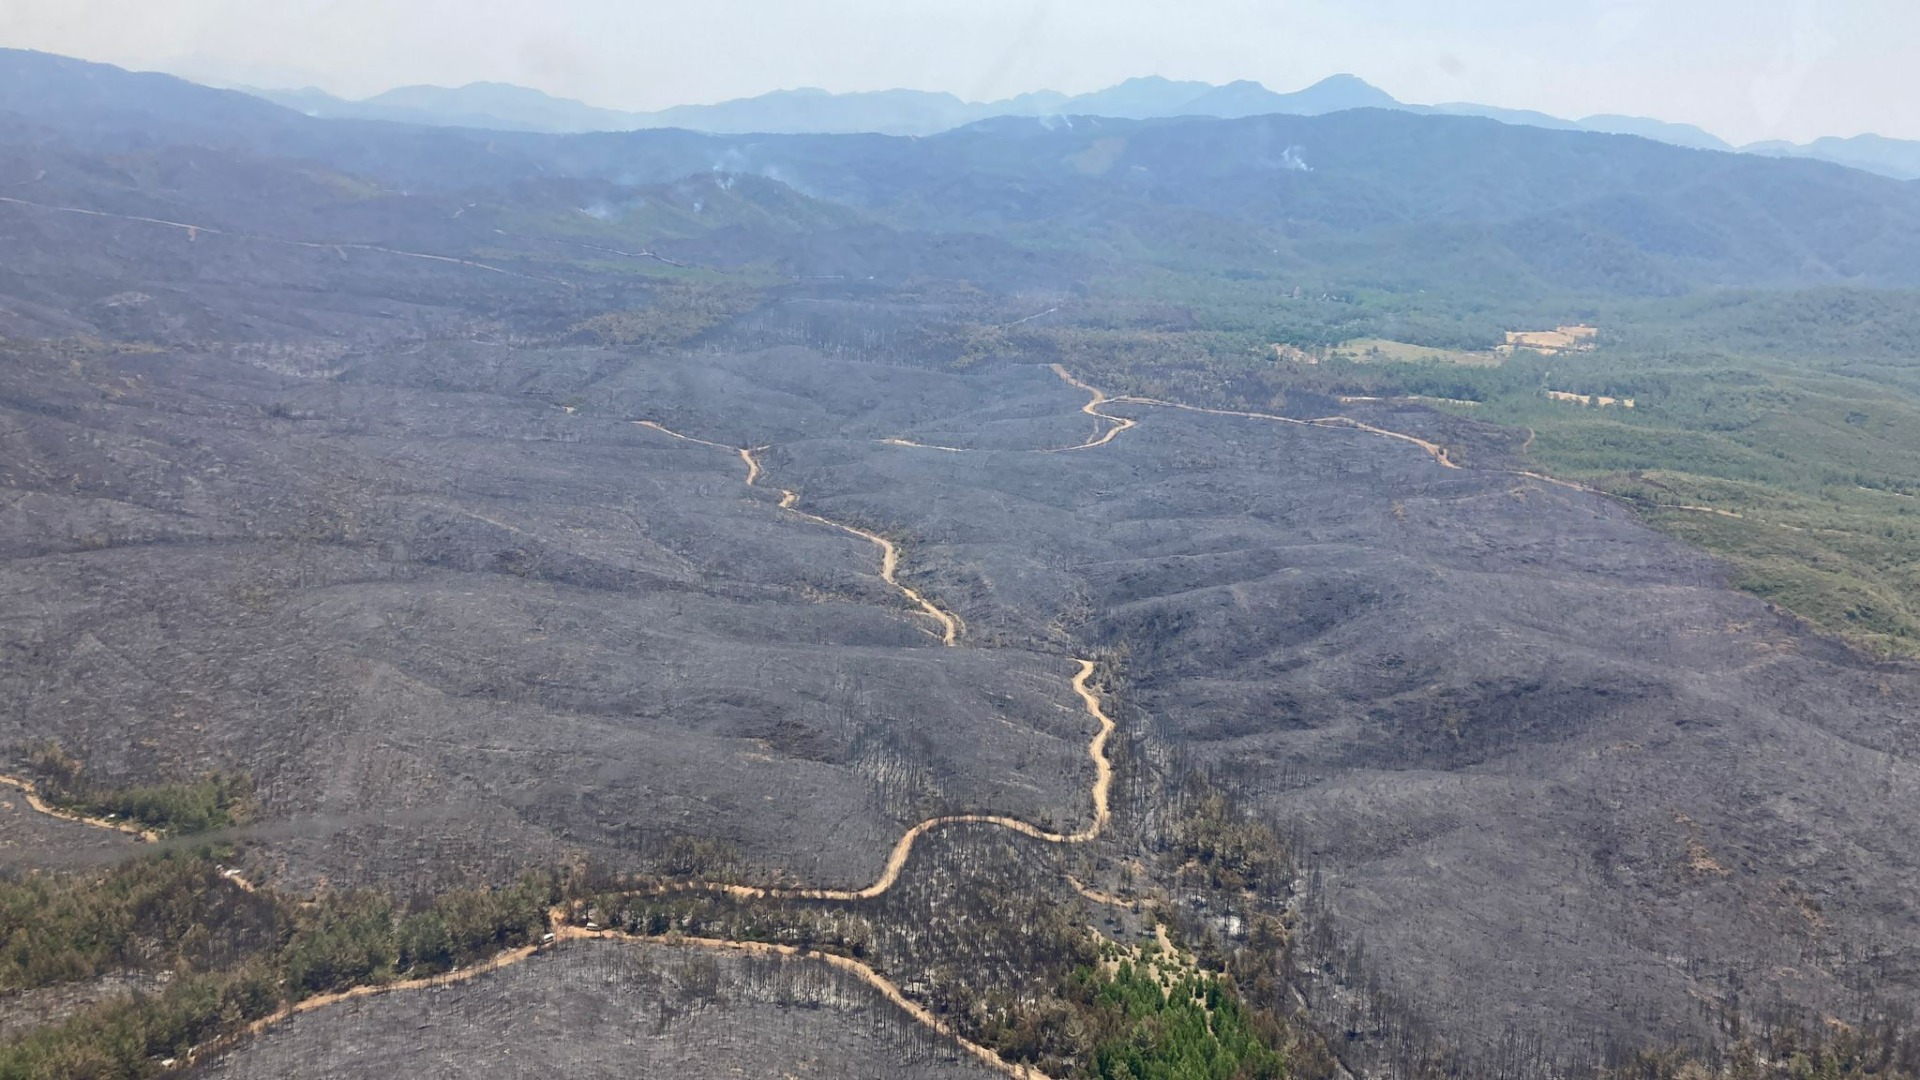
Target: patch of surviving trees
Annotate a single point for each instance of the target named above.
(979, 930)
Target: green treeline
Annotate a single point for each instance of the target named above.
(236, 955)
(167, 913)
(217, 801)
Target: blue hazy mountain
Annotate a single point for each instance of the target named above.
(499, 106)
(818, 112)
(1658, 130)
(1524, 117)
(812, 111)
(505, 107)
(1898, 158)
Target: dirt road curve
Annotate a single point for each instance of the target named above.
(950, 625)
(32, 793)
(861, 971)
(1118, 424)
(897, 859)
(1092, 408)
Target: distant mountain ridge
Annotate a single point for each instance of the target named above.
(1389, 197)
(1898, 158)
(810, 111)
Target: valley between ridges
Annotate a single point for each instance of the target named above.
(560, 920)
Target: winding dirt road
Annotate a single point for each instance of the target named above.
(1120, 424)
(31, 792)
(564, 931)
(903, 848)
(560, 920)
(950, 625)
(1091, 408)
(854, 967)
(1433, 449)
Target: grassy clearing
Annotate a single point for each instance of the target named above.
(1812, 464)
(1380, 350)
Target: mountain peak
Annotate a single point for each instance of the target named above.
(1345, 91)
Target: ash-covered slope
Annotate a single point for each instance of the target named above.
(612, 1010)
(336, 482)
(1549, 776)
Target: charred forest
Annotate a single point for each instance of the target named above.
(498, 604)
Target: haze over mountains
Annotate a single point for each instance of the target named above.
(558, 530)
(1337, 200)
(505, 107)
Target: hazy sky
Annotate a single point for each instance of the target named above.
(1744, 69)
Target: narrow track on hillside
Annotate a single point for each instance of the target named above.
(950, 625)
(1439, 454)
(565, 932)
(38, 803)
(193, 234)
(885, 986)
(1091, 408)
(1116, 425)
(561, 925)
(903, 848)
(1433, 449)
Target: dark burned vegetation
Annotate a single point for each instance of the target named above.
(234, 955)
(328, 533)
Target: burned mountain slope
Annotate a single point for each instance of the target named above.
(424, 618)
(1539, 759)
(615, 1010)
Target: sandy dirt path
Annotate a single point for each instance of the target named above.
(1118, 424)
(31, 792)
(1433, 449)
(903, 848)
(1092, 408)
(563, 930)
(950, 624)
(854, 967)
